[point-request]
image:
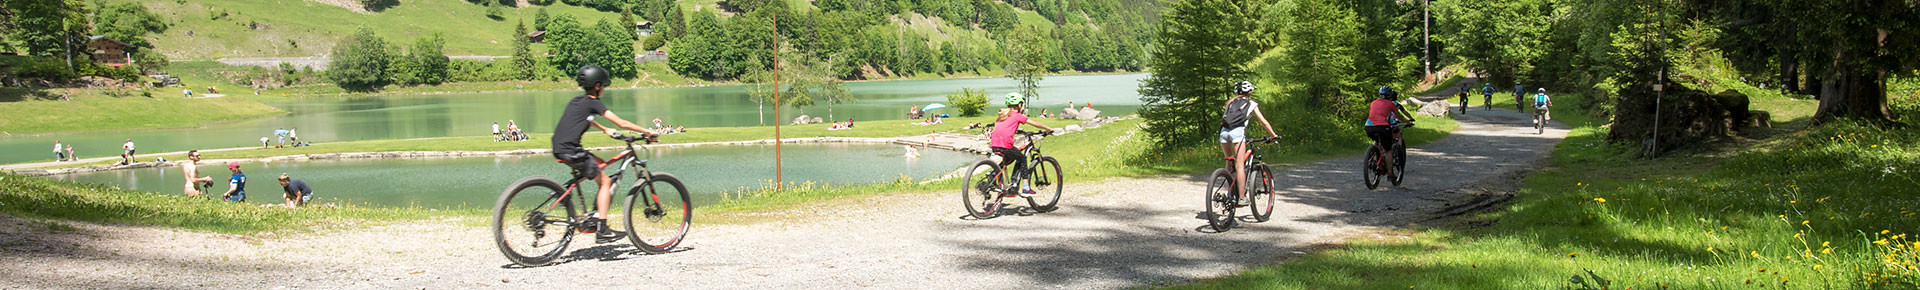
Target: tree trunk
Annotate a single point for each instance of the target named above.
(762, 115)
(1789, 73)
(1853, 92)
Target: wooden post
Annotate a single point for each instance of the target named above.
(779, 179)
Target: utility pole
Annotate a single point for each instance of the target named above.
(779, 178)
(1426, 39)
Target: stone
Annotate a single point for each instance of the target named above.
(1087, 114)
(1069, 113)
(1072, 128)
(1760, 119)
(1436, 109)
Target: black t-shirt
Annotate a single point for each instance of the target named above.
(573, 123)
(297, 186)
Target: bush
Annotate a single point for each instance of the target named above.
(654, 42)
(970, 102)
(48, 69)
(494, 12)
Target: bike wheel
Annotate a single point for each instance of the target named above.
(1260, 198)
(1047, 181)
(1370, 172)
(1399, 165)
(664, 211)
(980, 190)
(1220, 200)
(526, 219)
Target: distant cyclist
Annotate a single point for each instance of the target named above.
(1540, 104)
(1518, 91)
(574, 121)
(1382, 114)
(1466, 94)
(1233, 129)
(1488, 91)
(1001, 139)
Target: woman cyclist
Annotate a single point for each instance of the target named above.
(1001, 139)
(1233, 129)
(1381, 115)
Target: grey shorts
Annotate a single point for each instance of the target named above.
(1235, 135)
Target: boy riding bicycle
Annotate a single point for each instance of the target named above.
(1540, 104)
(566, 143)
(1233, 129)
(1001, 139)
(1382, 114)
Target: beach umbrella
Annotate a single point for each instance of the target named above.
(932, 106)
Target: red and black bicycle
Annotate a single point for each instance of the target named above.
(1379, 166)
(536, 217)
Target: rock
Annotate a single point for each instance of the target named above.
(1760, 119)
(1069, 113)
(1087, 114)
(1436, 109)
(803, 120)
(817, 120)
(1072, 128)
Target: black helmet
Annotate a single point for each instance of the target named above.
(590, 75)
(1242, 88)
(1387, 93)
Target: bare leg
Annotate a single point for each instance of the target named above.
(1241, 165)
(1227, 150)
(606, 195)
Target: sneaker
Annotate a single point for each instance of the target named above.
(602, 234)
(1027, 193)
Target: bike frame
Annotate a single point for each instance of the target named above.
(1253, 156)
(627, 159)
(1032, 152)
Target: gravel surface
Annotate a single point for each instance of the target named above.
(1113, 233)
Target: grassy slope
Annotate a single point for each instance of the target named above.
(91, 111)
(43, 198)
(1806, 209)
(307, 28)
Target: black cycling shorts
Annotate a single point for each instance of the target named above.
(584, 164)
(1381, 135)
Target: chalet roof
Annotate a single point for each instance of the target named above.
(96, 38)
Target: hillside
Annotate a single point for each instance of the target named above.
(286, 28)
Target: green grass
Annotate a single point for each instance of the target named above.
(1804, 210)
(1447, 83)
(92, 111)
(43, 198)
(308, 28)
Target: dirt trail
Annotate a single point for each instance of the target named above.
(1114, 233)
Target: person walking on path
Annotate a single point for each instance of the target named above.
(191, 170)
(296, 191)
(128, 157)
(236, 185)
(496, 131)
(57, 154)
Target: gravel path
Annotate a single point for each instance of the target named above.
(1114, 233)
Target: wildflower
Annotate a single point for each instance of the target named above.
(1804, 222)
(1824, 244)
(1763, 269)
(1816, 266)
(1882, 242)
(1573, 254)
(1755, 254)
(1883, 232)
(1601, 200)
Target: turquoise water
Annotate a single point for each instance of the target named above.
(478, 181)
(328, 119)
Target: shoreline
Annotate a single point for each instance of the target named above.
(711, 84)
(909, 140)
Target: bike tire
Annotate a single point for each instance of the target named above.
(1399, 166)
(1048, 181)
(532, 198)
(1260, 198)
(1219, 198)
(980, 190)
(1369, 172)
(668, 214)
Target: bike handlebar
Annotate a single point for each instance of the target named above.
(1268, 140)
(1033, 133)
(649, 139)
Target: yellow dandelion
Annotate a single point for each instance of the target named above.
(1825, 244)
(1883, 232)
(1573, 254)
(1755, 254)
(1816, 266)
(1763, 269)
(1882, 242)
(1601, 200)
(1826, 250)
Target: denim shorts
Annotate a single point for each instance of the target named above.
(1235, 135)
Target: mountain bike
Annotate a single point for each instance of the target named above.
(536, 217)
(1377, 164)
(1539, 120)
(987, 184)
(1222, 199)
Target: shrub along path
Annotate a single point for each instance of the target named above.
(1113, 233)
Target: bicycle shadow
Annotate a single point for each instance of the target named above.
(611, 252)
(1006, 211)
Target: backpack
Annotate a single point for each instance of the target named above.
(1238, 111)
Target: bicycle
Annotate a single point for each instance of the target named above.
(1222, 199)
(532, 200)
(1539, 120)
(1377, 166)
(986, 186)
